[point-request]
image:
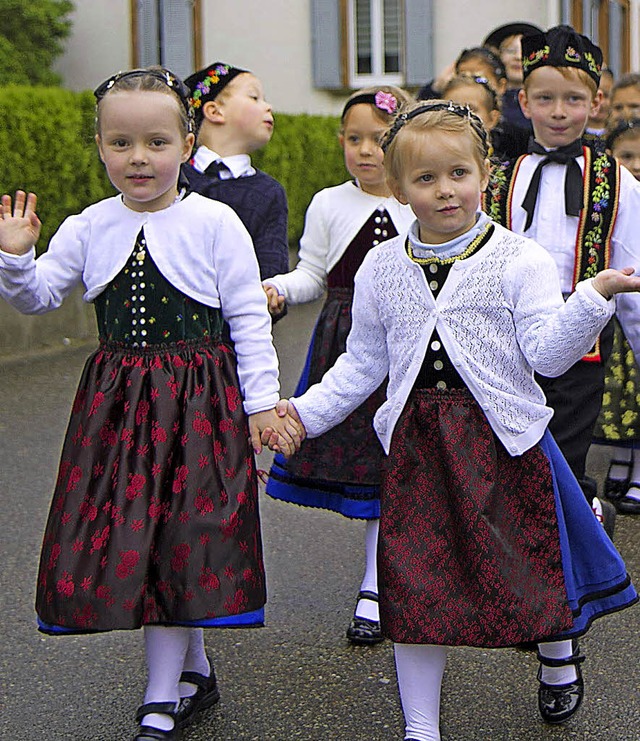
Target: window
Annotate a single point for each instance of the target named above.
(356, 43)
(166, 32)
(606, 23)
(375, 42)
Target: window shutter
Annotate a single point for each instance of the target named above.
(148, 41)
(418, 20)
(177, 36)
(326, 44)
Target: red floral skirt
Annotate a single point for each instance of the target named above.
(154, 517)
(469, 551)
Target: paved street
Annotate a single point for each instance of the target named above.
(297, 678)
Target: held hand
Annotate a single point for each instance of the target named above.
(274, 300)
(20, 229)
(609, 282)
(282, 434)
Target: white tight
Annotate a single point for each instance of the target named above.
(420, 669)
(366, 608)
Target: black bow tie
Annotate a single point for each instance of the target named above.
(216, 168)
(572, 181)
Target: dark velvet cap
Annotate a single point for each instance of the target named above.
(561, 46)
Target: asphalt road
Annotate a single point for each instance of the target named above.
(297, 678)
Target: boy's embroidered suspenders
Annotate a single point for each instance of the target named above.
(601, 192)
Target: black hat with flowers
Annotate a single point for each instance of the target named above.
(206, 84)
(561, 46)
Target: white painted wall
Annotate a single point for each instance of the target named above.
(273, 40)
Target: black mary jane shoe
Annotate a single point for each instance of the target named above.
(614, 489)
(627, 505)
(559, 702)
(362, 631)
(149, 733)
(205, 696)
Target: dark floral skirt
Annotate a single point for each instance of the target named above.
(154, 517)
(469, 549)
(341, 469)
(619, 420)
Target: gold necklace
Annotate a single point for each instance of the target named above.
(473, 246)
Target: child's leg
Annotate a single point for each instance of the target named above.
(195, 661)
(420, 669)
(166, 648)
(561, 686)
(367, 608)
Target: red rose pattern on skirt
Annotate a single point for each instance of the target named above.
(154, 516)
(469, 551)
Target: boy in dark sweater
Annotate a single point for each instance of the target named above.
(233, 119)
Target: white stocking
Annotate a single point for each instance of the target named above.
(166, 648)
(195, 661)
(557, 674)
(367, 608)
(420, 669)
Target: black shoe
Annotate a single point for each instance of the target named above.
(627, 505)
(362, 631)
(558, 702)
(616, 488)
(205, 696)
(149, 733)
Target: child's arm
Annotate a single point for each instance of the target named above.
(20, 227)
(610, 282)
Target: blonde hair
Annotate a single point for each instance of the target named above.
(433, 115)
(570, 73)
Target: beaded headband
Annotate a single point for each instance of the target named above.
(621, 127)
(157, 73)
(463, 111)
(479, 80)
(383, 101)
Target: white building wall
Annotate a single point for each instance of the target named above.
(273, 39)
(99, 45)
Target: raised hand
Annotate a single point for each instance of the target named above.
(20, 227)
(609, 282)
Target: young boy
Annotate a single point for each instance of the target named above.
(233, 119)
(595, 133)
(594, 226)
(625, 97)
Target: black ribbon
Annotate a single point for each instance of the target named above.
(216, 168)
(572, 182)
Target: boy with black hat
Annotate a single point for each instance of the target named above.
(584, 209)
(233, 119)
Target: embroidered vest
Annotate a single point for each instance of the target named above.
(601, 194)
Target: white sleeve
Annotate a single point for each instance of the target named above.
(552, 334)
(625, 252)
(244, 307)
(38, 285)
(308, 280)
(357, 373)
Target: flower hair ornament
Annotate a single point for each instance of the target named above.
(463, 111)
(382, 100)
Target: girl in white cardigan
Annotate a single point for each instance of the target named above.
(154, 519)
(485, 537)
(341, 470)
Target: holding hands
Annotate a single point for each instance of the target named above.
(276, 428)
(275, 300)
(609, 282)
(20, 227)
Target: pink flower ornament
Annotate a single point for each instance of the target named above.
(386, 102)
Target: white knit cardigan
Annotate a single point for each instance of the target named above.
(500, 316)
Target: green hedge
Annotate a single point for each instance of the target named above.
(47, 146)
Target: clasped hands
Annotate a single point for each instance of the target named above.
(279, 428)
